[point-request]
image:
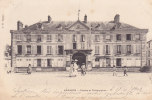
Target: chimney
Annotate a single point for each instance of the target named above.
(49, 18)
(26, 26)
(117, 18)
(85, 18)
(19, 25)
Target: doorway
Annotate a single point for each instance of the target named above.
(80, 57)
(118, 62)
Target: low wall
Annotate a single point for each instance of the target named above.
(53, 69)
(39, 69)
(118, 69)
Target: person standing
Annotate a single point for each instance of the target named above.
(83, 69)
(71, 70)
(75, 69)
(125, 71)
(114, 71)
(29, 69)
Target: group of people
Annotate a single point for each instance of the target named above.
(124, 71)
(73, 72)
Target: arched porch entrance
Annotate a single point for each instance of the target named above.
(80, 57)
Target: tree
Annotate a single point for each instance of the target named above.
(7, 52)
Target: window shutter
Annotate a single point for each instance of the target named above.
(115, 49)
(41, 50)
(94, 38)
(104, 49)
(56, 38)
(109, 49)
(123, 49)
(42, 37)
(15, 50)
(111, 37)
(133, 37)
(35, 49)
(23, 49)
(56, 50)
(132, 49)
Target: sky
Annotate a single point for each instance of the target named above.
(134, 12)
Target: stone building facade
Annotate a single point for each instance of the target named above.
(54, 44)
(149, 53)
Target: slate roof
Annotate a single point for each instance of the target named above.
(64, 25)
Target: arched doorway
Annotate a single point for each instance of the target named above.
(80, 57)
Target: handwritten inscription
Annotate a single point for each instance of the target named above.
(114, 92)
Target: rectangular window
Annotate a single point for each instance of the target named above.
(60, 38)
(137, 36)
(49, 37)
(82, 38)
(128, 37)
(74, 46)
(74, 38)
(118, 36)
(129, 49)
(108, 37)
(19, 49)
(97, 38)
(96, 49)
(49, 49)
(107, 49)
(18, 37)
(39, 38)
(28, 37)
(118, 49)
(108, 62)
(138, 49)
(60, 50)
(39, 50)
(38, 62)
(49, 62)
(82, 46)
(28, 49)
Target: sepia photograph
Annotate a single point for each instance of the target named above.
(76, 50)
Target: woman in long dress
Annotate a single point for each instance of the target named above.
(29, 70)
(75, 69)
(71, 70)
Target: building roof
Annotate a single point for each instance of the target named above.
(65, 25)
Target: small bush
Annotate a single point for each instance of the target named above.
(145, 69)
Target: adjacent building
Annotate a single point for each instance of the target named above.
(149, 53)
(54, 44)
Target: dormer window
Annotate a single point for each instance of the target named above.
(59, 27)
(40, 26)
